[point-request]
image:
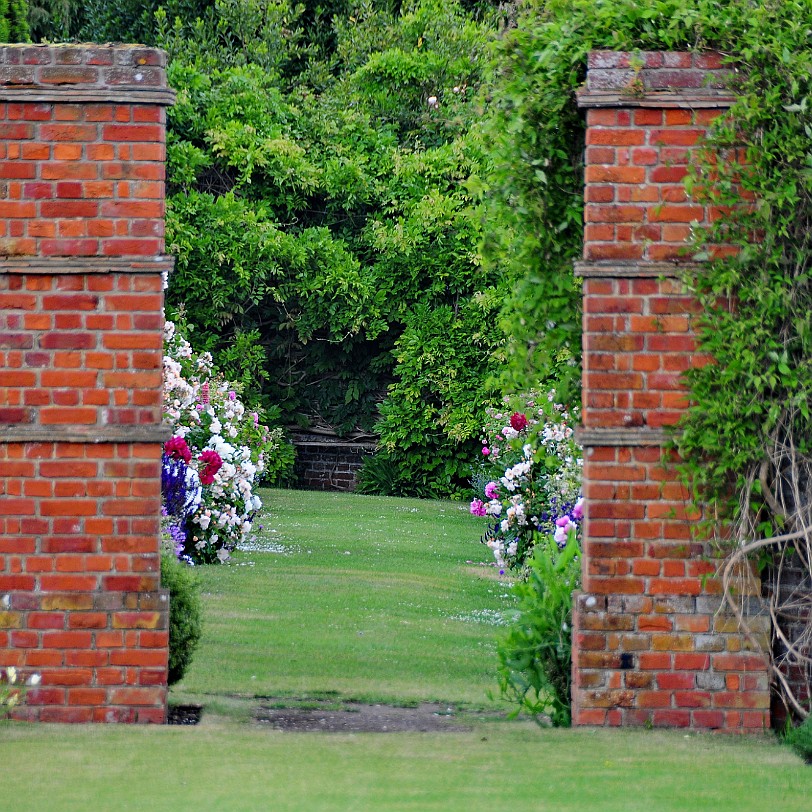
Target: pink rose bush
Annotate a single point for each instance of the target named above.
(215, 458)
(530, 480)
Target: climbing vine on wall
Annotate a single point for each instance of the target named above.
(746, 441)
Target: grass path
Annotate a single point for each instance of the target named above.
(367, 598)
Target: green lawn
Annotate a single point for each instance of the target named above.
(369, 596)
(373, 598)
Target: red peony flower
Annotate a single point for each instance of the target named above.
(518, 421)
(213, 462)
(177, 449)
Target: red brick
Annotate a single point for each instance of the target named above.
(691, 662)
(67, 152)
(46, 620)
(671, 718)
(708, 719)
(71, 639)
(615, 174)
(738, 662)
(653, 699)
(132, 132)
(92, 658)
(87, 620)
(68, 583)
(71, 715)
(135, 696)
(686, 137)
(68, 170)
(18, 169)
(87, 696)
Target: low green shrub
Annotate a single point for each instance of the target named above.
(185, 613)
(800, 739)
(535, 656)
(379, 475)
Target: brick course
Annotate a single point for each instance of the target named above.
(81, 296)
(328, 464)
(652, 644)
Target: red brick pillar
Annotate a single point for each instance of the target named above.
(81, 239)
(650, 645)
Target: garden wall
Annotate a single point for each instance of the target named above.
(328, 463)
(651, 645)
(82, 156)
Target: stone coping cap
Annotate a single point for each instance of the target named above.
(16, 433)
(84, 73)
(689, 79)
(85, 265)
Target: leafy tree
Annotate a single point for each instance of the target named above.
(319, 203)
(14, 21)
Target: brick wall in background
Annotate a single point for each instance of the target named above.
(327, 463)
(651, 645)
(81, 240)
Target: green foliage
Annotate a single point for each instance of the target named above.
(14, 21)
(757, 301)
(800, 739)
(185, 613)
(534, 195)
(319, 206)
(381, 474)
(535, 657)
(432, 416)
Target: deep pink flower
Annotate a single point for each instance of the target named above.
(177, 449)
(518, 421)
(213, 462)
(492, 490)
(232, 395)
(486, 450)
(478, 508)
(204, 393)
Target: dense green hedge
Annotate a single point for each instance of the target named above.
(185, 614)
(14, 21)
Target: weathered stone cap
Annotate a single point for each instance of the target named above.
(618, 76)
(89, 69)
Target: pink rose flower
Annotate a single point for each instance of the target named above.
(518, 421)
(478, 508)
(492, 490)
(177, 449)
(213, 462)
(485, 451)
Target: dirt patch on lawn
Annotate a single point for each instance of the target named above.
(184, 714)
(356, 717)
